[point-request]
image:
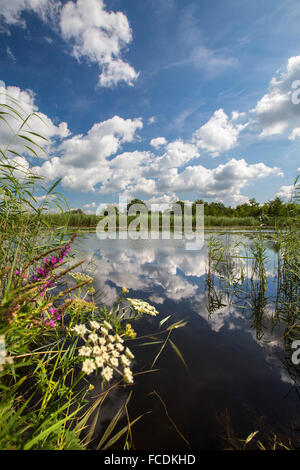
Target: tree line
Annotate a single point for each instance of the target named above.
(273, 208)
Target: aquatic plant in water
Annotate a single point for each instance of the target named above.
(51, 338)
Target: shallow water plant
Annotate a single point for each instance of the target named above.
(53, 337)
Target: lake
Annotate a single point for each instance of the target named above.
(237, 375)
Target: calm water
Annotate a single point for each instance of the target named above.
(236, 372)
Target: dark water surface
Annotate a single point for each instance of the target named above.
(237, 372)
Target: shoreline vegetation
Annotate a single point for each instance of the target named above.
(89, 221)
(272, 214)
(227, 284)
(54, 336)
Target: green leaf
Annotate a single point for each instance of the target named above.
(114, 439)
(178, 353)
(56, 427)
(250, 437)
(37, 135)
(54, 185)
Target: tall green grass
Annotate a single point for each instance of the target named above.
(46, 398)
(237, 275)
(90, 221)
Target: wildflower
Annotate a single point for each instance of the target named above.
(3, 357)
(81, 277)
(125, 361)
(94, 324)
(115, 353)
(99, 361)
(110, 338)
(118, 338)
(128, 376)
(2, 350)
(130, 331)
(81, 330)
(105, 356)
(49, 264)
(104, 331)
(120, 347)
(107, 373)
(104, 350)
(107, 325)
(93, 337)
(114, 361)
(85, 351)
(51, 323)
(124, 290)
(143, 307)
(97, 350)
(88, 366)
(83, 305)
(129, 353)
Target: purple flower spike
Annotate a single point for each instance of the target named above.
(49, 264)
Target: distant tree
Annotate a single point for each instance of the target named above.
(110, 209)
(136, 201)
(293, 209)
(174, 207)
(253, 202)
(216, 209)
(276, 208)
(198, 201)
(75, 211)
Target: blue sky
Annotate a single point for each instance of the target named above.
(158, 99)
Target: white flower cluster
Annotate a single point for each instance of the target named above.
(3, 357)
(143, 307)
(104, 349)
(81, 277)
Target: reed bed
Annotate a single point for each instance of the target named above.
(237, 275)
(90, 221)
(53, 335)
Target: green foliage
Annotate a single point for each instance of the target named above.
(136, 201)
(45, 392)
(274, 213)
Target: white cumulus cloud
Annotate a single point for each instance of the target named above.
(219, 133)
(84, 158)
(11, 11)
(224, 181)
(286, 193)
(99, 36)
(39, 122)
(158, 142)
(94, 33)
(277, 111)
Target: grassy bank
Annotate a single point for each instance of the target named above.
(90, 221)
(53, 335)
